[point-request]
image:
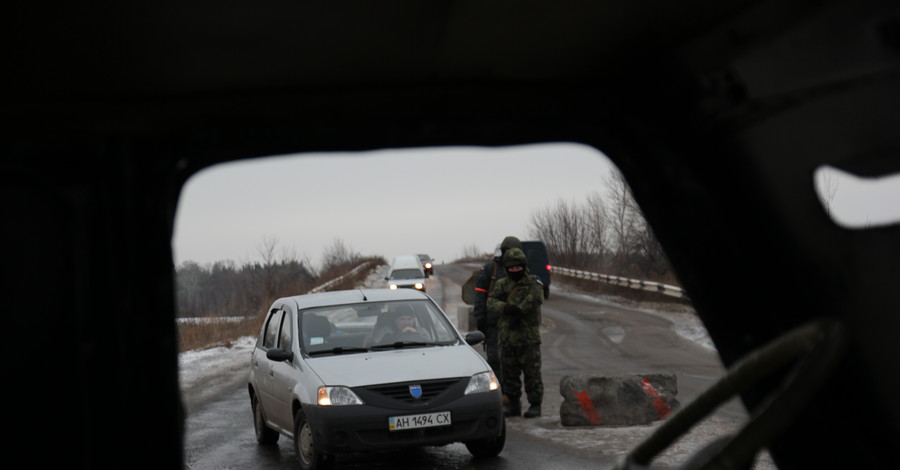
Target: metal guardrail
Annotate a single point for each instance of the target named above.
(666, 289)
(336, 280)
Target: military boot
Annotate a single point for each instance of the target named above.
(533, 411)
(514, 408)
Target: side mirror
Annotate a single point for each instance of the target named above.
(387, 279)
(279, 355)
(474, 337)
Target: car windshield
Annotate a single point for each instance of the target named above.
(353, 328)
(406, 274)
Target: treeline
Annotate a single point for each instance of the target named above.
(606, 233)
(225, 288)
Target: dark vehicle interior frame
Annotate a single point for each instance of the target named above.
(717, 113)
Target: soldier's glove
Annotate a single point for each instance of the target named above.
(512, 310)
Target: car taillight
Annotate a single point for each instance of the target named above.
(549, 267)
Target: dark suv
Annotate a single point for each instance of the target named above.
(538, 262)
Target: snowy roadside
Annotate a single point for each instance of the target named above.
(205, 374)
(683, 317)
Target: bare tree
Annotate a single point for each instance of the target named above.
(828, 186)
(567, 230)
(471, 252)
(189, 279)
(266, 250)
(279, 276)
(596, 217)
(625, 218)
(607, 233)
(338, 254)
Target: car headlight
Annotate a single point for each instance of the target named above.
(483, 382)
(337, 396)
(393, 286)
(427, 265)
(420, 286)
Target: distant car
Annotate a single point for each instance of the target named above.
(326, 374)
(406, 273)
(427, 264)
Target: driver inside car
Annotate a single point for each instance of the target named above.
(394, 323)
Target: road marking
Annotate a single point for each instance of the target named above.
(616, 334)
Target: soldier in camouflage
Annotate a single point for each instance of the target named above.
(517, 300)
(487, 323)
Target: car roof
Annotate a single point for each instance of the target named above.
(352, 296)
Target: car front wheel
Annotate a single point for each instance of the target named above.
(264, 434)
(310, 457)
(487, 448)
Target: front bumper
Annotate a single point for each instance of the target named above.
(409, 286)
(365, 427)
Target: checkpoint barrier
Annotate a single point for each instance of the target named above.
(617, 401)
(665, 289)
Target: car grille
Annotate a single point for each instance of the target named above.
(400, 391)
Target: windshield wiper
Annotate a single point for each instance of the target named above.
(403, 344)
(338, 350)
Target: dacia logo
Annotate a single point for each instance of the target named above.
(415, 391)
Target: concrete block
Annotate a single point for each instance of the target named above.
(465, 318)
(617, 401)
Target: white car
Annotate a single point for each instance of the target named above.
(365, 370)
(406, 272)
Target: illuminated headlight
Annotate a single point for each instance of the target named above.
(393, 286)
(337, 396)
(420, 286)
(483, 382)
(427, 265)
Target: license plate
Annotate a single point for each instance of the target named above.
(428, 420)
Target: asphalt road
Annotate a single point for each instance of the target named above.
(581, 336)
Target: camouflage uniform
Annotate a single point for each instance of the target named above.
(518, 304)
(487, 323)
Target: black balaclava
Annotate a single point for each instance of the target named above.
(517, 275)
(515, 257)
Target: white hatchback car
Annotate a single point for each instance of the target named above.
(364, 370)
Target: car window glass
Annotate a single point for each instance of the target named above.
(284, 342)
(272, 329)
(442, 330)
(406, 274)
(373, 323)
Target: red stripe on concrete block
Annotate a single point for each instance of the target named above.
(588, 406)
(662, 406)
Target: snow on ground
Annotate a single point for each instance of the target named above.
(683, 317)
(203, 373)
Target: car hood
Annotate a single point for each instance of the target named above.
(399, 365)
(404, 282)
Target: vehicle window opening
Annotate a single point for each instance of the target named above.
(855, 202)
(272, 330)
(284, 342)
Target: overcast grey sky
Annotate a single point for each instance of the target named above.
(389, 202)
(436, 201)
